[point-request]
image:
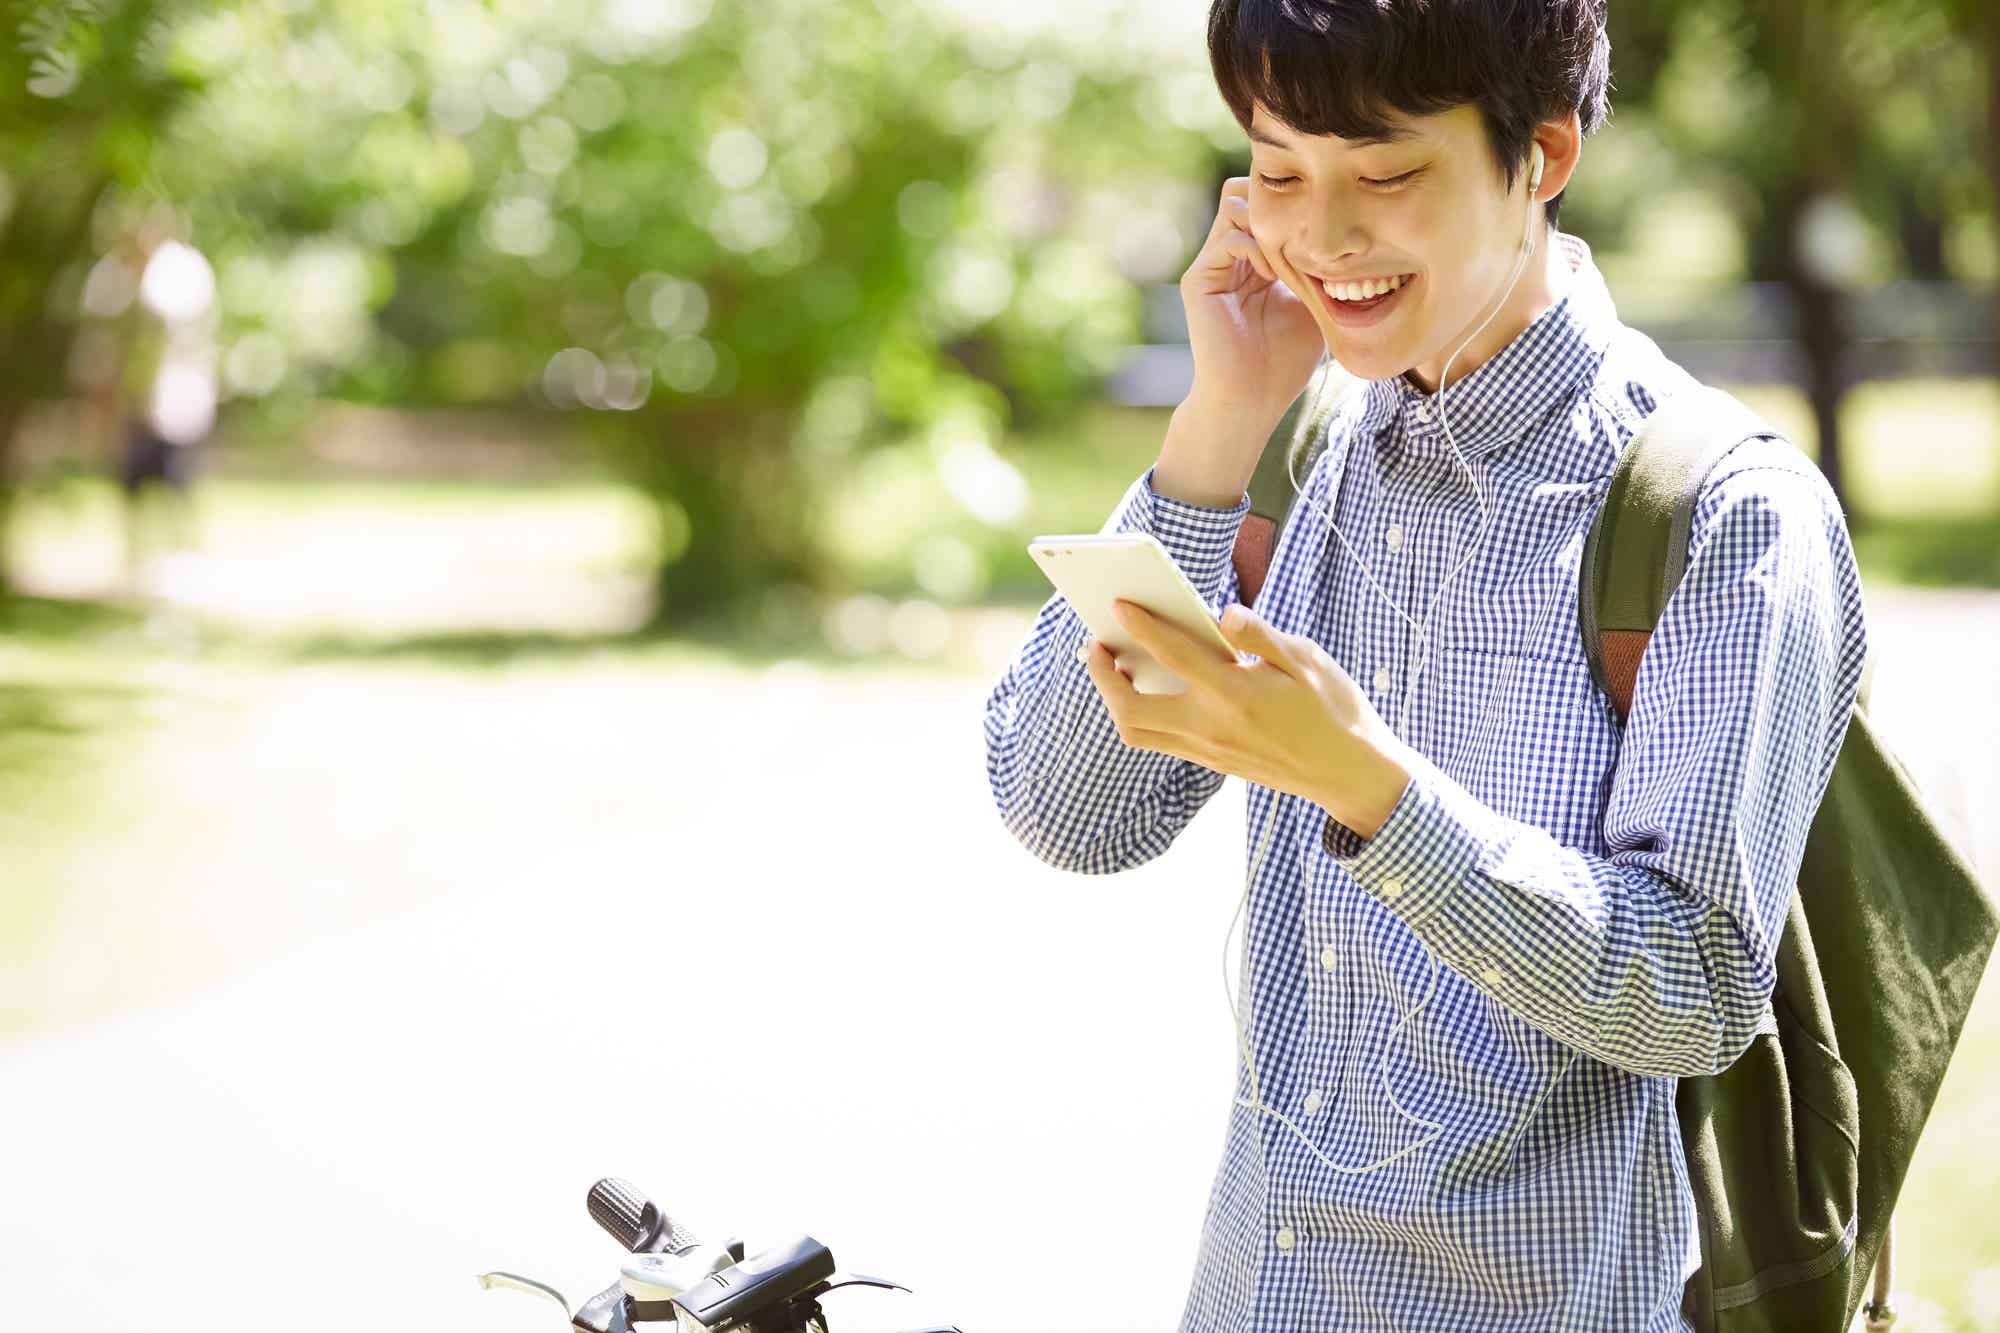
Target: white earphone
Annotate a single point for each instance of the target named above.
(1534, 184)
(1255, 1101)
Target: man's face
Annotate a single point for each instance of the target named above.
(1429, 207)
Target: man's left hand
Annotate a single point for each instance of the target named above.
(1294, 721)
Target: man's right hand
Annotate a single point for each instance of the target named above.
(1255, 348)
(1255, 341)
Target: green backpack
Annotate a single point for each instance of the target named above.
(1796, 1152)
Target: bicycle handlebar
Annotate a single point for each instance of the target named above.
(634, 1221)
(698, 1288)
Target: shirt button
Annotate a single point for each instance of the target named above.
(1492, 975)
(1382, 680)
(1328, 959)
(1286, 1239)
(1389, 888)
(1312, 1101)
(1423, 412)
(1392, 536)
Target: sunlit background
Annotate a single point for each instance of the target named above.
(542, 740)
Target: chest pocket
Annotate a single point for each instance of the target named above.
(1531, 736)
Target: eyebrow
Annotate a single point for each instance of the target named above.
(1394, 134)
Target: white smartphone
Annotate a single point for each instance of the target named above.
(1092, 570)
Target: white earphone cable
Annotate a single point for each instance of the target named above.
(1255, 1101)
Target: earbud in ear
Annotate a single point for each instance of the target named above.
(1534, 184)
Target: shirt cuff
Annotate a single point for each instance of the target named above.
(1423, 852)
(1201, 539)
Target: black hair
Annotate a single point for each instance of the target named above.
(1341, 66)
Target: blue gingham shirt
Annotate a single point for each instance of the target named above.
(1603, 909)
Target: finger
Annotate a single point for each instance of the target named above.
(1214, 267)
(1224, 220)
(1251, 633)
(1236, 189)
(1244, 246)
(1112, 683)
(1172, 647)
(1131, 711)
(1237, 209)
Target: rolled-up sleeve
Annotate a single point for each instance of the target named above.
(1067, 786)
(1659, 957)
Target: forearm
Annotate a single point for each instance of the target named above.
(1210, 454)
(1361, 798)
(1066, 784)
(1612, 958)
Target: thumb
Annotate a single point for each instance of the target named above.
(1251, 633)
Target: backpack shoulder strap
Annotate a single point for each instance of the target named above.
(1302, 430)
(1638, 543)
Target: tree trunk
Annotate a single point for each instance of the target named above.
(1822, 315)
(10, 421)
(746, 509)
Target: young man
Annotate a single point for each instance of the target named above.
(1488, 931)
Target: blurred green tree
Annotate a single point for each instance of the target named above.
(746, 243)
(1847, 135)
(752, 245)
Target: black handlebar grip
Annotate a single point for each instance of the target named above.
(620, 1210)
(635, 1221)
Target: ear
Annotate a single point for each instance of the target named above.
(1562, 145)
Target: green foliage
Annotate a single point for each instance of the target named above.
(750, 246)
(703, 226)
(1879, 104)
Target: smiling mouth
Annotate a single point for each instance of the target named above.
(1359, 303)
(1361, 293)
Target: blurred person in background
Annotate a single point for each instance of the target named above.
(146, 362)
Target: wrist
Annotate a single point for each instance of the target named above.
(1209, 455)
(1373, 789)
(1206, 414)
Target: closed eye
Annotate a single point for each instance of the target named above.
(1282, 183)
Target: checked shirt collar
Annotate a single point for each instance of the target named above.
(1499, 400)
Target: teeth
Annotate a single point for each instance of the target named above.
(1362, 291)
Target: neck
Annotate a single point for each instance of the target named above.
(1541, 284)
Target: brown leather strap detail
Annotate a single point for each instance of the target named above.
(1252, 556)
(1622, 649)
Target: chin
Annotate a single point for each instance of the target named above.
(1369, 363)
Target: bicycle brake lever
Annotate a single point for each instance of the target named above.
(833, 1280)
(515, 1282)
(605, 1312)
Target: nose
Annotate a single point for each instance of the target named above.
(1330, 238)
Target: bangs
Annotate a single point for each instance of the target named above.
(1342, 67)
